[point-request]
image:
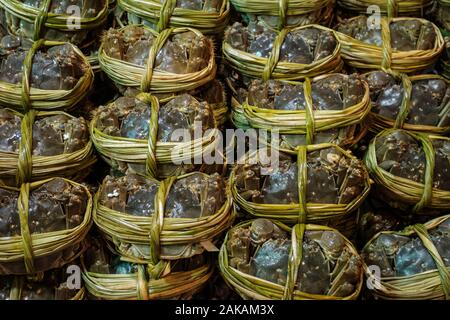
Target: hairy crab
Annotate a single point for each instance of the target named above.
(401, 255)
(54, 206)
(55, 68)
(429, 103)
(129, 117)
(53, 135)
(332, 178)
(406, 35)
(182, 53)
(334, 93)
(303, 46)
(92, 10)
(195, 196)
(327, 267)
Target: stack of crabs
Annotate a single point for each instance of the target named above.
(224, 149)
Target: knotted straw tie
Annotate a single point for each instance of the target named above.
(310, 121)
(157, 266)
(444, 273)
(387, 49)
(165, 14)
(298, 231)
(151, 165)
(392, 11)
(274, 56)
(27, 245)
(405, 107)
(41, 18)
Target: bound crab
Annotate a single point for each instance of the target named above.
(301, 46)
(419, 254)
(418, 103)
(184, 52)
(57, 68)
(58, 213)
(108, 276)
(411, 170)
(327, 266)
(132, 119)
(289, 108)
(197, 203)
(328, 180)
(60, 24)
